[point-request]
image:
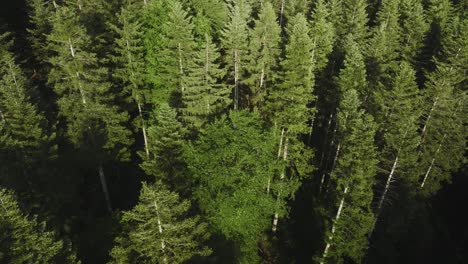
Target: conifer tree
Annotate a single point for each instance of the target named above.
(25, 240)
(414, 28)
(232, 161)
(441, 142)
(204, 95)
(166, 162)
(210, 17)
(264, 54)
(399, 131)
(384, 50)
(289, 101)
(354, 21)
(40, 19)
(234, 40)
(323, 35)
(129, 60)
(22, 127)
(85, 99)
(353, 178)
(159, 230)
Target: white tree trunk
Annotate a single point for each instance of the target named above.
(382, 198)
(236, 80)
(279, 155)
(278, 198)
(337, 153)
(181, 68)
(281, 12)
(160, 230)
(432, 162)
(143, 128)
(427, 120)
(102, 177)
(337, 217)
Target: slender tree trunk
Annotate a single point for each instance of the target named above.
(337, 217)
(181, 69)
(143, 128)
(2, 116)
(382, 198)
(236, 80)
(160, 230)
(423, 131)
(432, 162)
(281, 12)
(337, 153)
(278, 198)
(279, 155)
(102, 177)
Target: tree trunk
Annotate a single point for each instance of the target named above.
(427, 121)
(160, 230)
(281, 13)
(278, 198)
(382, 198)
(236, 80)
(143, 128)
(279, 155)
(181, 69)
(432, 162)
(333, 166)
(337, 217)
(102, 177)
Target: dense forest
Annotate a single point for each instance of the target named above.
(233, 131)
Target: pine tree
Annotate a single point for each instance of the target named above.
(25, 240)
(384, 50)
(85, 99)
(234, 40)
(129, 60)
(289, 101)
(443, 133)
(39, 18)
(399, 131)
(204, 96)
(353, 21)
(414, 28)
(353, 177)
(159, 230)
(232, 161)
(289, 104)
(323, 35)
(210, 17)
(166, 162)
(264, 55)
(22, 128)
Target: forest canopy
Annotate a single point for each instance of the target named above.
(233, 131)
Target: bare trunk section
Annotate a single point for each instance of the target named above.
(281, 12)
(423, 131)
(279, 155)
(181, 69)
(160, 230)
(382, 198)
(276, 216)
(432, 162)
(337, 217)
(102, 177)
(337, 153)
(236, 80)
(143, 128)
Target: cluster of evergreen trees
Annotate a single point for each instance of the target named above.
(223, 110)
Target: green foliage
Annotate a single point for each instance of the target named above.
(353, 75)
(414, 27)
(323, 35)
(159, 230)
(354, 178)
(85, 98)
(24, 240)
(354, 21)
(166, 148)
(210, 17)
(232, 162)
(39, 17)
(204, 96)
(264, 55)
(234, 41)
(399, 127)
(288, 101)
